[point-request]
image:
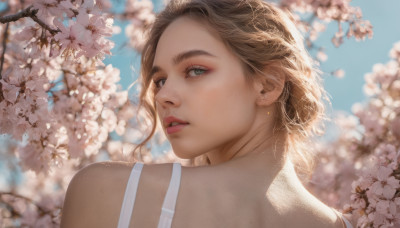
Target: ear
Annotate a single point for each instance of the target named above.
(269, 88)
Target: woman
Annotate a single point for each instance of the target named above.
(233, 88)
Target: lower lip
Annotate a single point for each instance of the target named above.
(176, 128)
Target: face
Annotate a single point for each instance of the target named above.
(201, 83)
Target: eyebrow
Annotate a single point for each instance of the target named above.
(180, 57)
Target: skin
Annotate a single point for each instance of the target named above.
(250, 182)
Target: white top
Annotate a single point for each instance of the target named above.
(168, 207)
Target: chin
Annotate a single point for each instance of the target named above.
(185, 153)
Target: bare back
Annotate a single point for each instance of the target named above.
(208, 197)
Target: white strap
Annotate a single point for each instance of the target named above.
(348, 224)
(168, 208)
(344, 220)
(130, 195)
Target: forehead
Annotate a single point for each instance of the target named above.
(187, 33)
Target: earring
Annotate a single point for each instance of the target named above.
(267, 113)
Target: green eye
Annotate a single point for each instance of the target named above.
(195, 71)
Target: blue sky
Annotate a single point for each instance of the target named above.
(356, 58)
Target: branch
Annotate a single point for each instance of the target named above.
(75, 12)
(41, 23)
(23, 198)
(5, 36)
(42, 211)
(23, 13)
(28, 12)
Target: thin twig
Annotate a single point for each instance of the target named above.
(26, 199)
(23, 13)
(41, 23)
(5, 36)
(28, 12)
(76, 12)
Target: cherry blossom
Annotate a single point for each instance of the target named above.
(373, 150)
(140, 14)
(326, 11)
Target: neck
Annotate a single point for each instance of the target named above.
(271, 172)
(268, 148)
(260, 161)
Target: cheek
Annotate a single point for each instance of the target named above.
(226, 107)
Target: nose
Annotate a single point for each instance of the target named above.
(168, 95)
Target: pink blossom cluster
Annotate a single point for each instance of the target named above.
(56, 97)
(363, 163)
(59, 101)
(38, 200)
(83, 114)
(140, 15)
(27, 212)
(326, 11)
(89, 108)
(376, 193)
(80, 27)
(45, 212)
(24, 108)
(375, 198)
(83, 36)
(335, 171)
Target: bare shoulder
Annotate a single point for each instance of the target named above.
(95, 194)
(314, 213)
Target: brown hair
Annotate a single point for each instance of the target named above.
(265, 40)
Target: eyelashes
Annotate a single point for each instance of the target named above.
(193, 71)
(157, 82)
(196, 69)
